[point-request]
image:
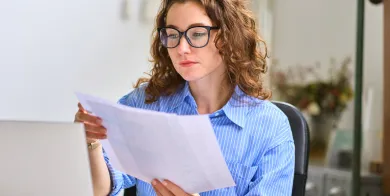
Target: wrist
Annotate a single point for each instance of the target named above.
(92, 145)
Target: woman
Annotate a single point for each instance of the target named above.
(206, 61)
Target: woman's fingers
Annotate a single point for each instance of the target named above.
(94, 135)
(96, 129)
(93, 124)
(80, 106)
(157, 192)
(82, 116)
(161, 189)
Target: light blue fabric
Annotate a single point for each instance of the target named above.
(254, 135)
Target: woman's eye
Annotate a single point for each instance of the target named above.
(172, 36)
(198, 34)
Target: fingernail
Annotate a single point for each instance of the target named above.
(165, 183)
(154, 182)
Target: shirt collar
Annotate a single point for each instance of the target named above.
(236, 108)
(178, 98)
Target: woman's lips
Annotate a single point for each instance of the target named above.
(187, 63)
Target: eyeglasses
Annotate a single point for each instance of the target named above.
(197, 36)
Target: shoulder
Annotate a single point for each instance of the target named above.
(132, 98)
(136, 98)
(266, 110)
(269, 122)
(263, 110)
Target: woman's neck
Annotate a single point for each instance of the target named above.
(210, 94)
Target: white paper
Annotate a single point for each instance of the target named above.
(154, 145)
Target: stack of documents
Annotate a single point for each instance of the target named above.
(154, 145)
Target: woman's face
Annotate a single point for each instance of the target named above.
(190, 62)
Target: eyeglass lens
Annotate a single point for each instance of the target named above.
(196, 37)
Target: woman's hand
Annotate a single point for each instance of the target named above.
(93, 125)
(167, 188)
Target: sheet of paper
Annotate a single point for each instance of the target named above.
(154, 145)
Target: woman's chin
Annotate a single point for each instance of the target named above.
(191, 77)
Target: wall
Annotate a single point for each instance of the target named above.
(49, 49)
(310, 31)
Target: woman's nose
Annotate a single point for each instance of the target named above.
(183, 47)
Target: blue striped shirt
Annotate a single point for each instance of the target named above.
(254, 136)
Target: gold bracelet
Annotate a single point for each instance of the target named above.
(93, 145)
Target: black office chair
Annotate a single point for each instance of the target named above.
(300, 131)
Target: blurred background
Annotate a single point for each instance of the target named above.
(51, 48)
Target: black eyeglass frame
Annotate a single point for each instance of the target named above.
(209, 28)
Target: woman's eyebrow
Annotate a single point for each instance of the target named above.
(191, 25)
(197, 24)
(171, 26)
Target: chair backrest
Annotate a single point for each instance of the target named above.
(300, 131)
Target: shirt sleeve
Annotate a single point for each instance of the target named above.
(119, 180)
(275, 175)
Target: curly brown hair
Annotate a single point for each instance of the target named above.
(237, 41)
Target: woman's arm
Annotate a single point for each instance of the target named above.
(275, 174)
(100, 174)
(94, 132)
(118, 179)
(106, 180)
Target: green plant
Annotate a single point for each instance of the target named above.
(304, 87)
